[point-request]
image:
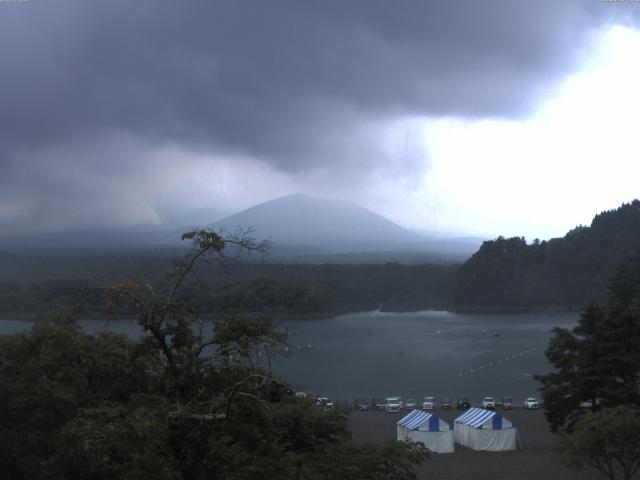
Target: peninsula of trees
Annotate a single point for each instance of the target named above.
(567, 272)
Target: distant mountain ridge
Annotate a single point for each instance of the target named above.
(572, 271)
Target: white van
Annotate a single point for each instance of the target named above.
(392, 405)
(429, 403)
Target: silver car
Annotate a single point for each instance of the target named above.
(410, 404)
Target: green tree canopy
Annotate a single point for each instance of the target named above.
(607, 441)
(571, 271)
(597, 363)
(176, 404)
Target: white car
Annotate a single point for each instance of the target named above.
(429, 403)
(489, 403)
(531, 403)
(392, 404)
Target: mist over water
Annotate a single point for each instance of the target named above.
(410, 354)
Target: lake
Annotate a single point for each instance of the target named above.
(409, 354)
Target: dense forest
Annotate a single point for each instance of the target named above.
(569, 272)
(268, 288)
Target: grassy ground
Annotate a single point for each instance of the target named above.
(539, 460)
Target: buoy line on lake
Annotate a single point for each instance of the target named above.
(500, 361)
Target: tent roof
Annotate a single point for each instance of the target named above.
(417, 419)
(476, 417)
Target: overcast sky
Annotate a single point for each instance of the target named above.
(481, 117)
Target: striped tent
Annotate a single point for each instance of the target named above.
(428, 429)
(481, 429)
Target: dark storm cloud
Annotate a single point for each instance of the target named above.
(277, 79)
(293, 83)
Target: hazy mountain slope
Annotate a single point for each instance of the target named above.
(330, 224)
(571, 271)
(138, 237)
(301, 228)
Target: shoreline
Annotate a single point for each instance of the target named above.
(34, 318)
(556, 310)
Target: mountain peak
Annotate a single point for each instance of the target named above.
(294, 196)
(301, 219)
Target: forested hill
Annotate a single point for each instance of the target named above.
(572, 271)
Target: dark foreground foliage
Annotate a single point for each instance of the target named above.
(597, 363)
(592, 399)
(607, 441)
(176, 404)
(77, 406)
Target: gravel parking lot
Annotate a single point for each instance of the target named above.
(538, 460)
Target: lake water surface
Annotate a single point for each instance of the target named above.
(410, 354)
(422, 353)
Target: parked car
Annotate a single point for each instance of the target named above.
(392, 404)
(445, 403)
(463, 403)
(410, 404)
(378, 403)
(531, 403)
(325, 402)
(489, 403)
(360, 405)
(429, 403)
(507, 403)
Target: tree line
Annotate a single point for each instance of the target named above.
(592, 397)
(569, 272)
(275, 289)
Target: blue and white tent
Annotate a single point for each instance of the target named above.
(481, 429)
(428, 429)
